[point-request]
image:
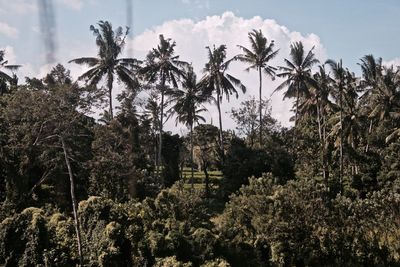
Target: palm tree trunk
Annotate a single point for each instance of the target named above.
(110, 101)
(260, 106)
(191, 155)
(207, 178)
(322, 142)
(341, 143)
(74, 202)
(160, 137)
(369, 133)
(161, 131)
(319, 120)
(297, 105)
(354, 165)
(326, 163)
(252, 136)
(295, 120)
(155, 153)
(110, 80)
(221, 138)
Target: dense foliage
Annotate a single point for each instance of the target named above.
(114, 192)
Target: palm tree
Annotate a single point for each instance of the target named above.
(297, 73)
(151, 118)
(217, 80)
(110, 44)
(258, 57)
(187, 107)
(163, 67)
(4, 77)
(323, 106)
(371, 69)
(349, 132)
(386, 99)
(339, 77)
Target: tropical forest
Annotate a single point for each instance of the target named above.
(85, 182)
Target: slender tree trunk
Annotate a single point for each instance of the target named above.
(354, 163)
(319, 121)
(322, 142)
(155, 153)
(295, 120)
(221, 138)
(326, 166)
(252, 136)
(207, 179)
(260, 104)
(74, 202)
(110, 100)
(191, 155)
(369, 133)
(110, 87)
(341, 142)
(161, 130)
(297, 105)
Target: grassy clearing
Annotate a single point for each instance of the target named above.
(199, 178)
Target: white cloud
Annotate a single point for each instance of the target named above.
(26, 68)
(17, 6)
(193, 36)
(395, 62)
(9, 54)
(8, 30)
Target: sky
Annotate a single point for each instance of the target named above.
(339, 29)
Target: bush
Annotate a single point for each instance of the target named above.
(297, 224)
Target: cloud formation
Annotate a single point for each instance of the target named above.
(8, 30)
(17, 6)
(392, 62)
(193, 36)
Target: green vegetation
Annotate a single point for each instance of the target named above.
(121, 191)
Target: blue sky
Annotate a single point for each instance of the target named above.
(348, 29)
(338, 29)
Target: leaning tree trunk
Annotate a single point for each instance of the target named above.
(74, 202)
(260, 104)
(221, 137)
(369, 134)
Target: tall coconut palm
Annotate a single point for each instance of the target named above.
(311, 108)
(297, 74)
(217, 80)
(386, 98)
(371, 69)
(324, 105)
(258, 57)
(339, 77)
(188, 107)
(163, 67)
(110, 44)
